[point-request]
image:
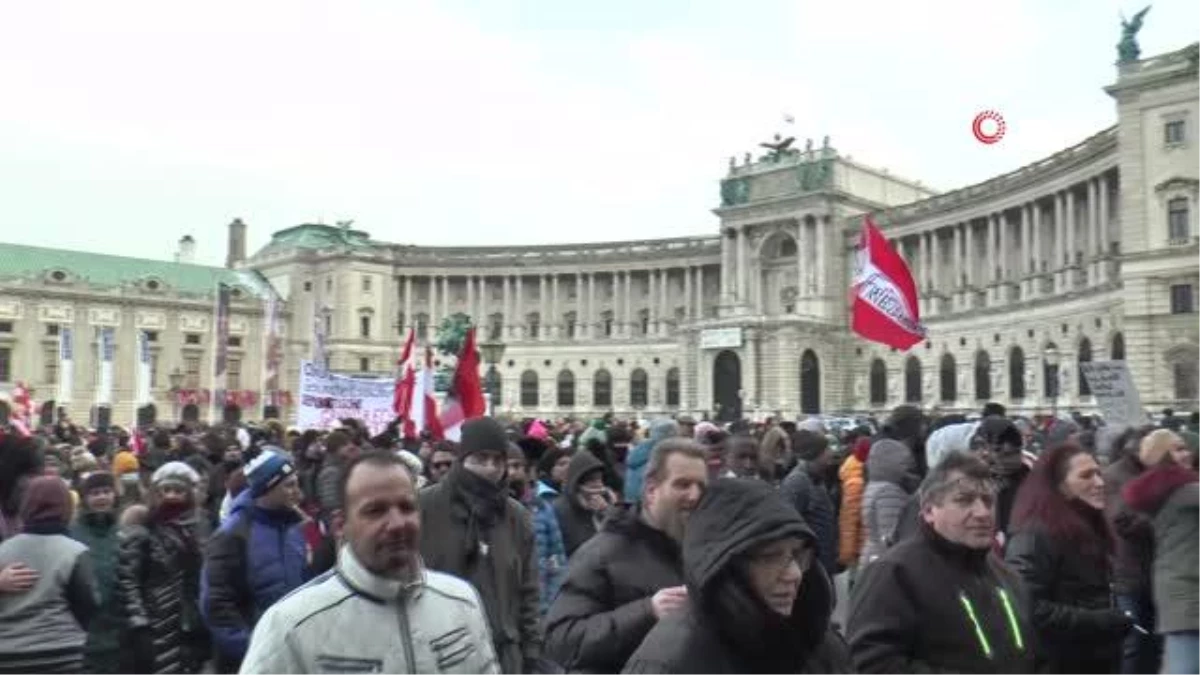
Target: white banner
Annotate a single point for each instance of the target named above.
(721, 338)
(1115, 393)
(142, 392)
(66, 364)
(325, 398)
(104, 384)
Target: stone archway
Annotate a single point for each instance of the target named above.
(727, 386)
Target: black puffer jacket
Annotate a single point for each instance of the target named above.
(577, 523)
(158, 588)
(812, 500)
(1078, 626)
(602, 611)
(726, 627)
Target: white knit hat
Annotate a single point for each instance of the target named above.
(177, 473)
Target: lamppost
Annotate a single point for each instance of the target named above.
(1051, 357)
(176, 380)
(492, 351)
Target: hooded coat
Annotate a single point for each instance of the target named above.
(98, 531)
(577, 523)
(808, 494)
(725, 627)
(892, 475)
(1171, 496)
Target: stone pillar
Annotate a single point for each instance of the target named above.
(1036, 235)
(508, 306)
(727, 279)
(408, 317)
(687, 294)
(445, 296)
(433, 305)
(470, 281)
(1069, 225)
(543, 308)
(592, 315)
(616, 313)
(1060, 239)
(481, 304)
(743, 279)
(1102, 227)
(556, 308)
(664, 290)
(992, 275)
(519, 310)
(802, 256)
(628, 303)
(957, 258)
(935, 261)
(699, 292)
(969, 261)
(1002, 245)
(923, 282)
(580, 317)
(651, 302)
(821, 232)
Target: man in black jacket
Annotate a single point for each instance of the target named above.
(804, 488)
(940, 601)
(629, 575)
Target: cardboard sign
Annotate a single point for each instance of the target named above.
(1115, 393)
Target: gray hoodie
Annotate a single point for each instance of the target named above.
(891, 478)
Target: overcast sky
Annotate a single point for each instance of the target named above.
(125, 125)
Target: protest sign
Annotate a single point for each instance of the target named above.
(1115, 393)
(326, 398)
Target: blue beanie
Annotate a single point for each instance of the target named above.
(267, 470)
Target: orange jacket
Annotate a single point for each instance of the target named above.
(850, 526)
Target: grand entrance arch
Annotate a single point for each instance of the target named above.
(727, 384)
(810, 383)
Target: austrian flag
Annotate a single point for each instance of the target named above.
(884, 305)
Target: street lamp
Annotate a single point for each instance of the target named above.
(176, 380)
(1052, 357)
(493, 351)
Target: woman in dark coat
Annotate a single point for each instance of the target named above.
(1061, 548)
(756, 601)
(158, 577)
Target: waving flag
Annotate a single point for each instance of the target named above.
(885, 306)
(406, 379)
(464, 401)
(424, 417)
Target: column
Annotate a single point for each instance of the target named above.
(664, 287)
(481, 299)
(592, 314)
(970, 262)
(408, 317)
(470, 279)
(957, 257)
(1002, 244)
(742, 277)
(1069, 224)
(519, 310)
(1102, 220)
(555, 309)
(652, 301)
(616, 315)
(1035, 235)
(1090, 227)
(993, 222)
(923, 282)
(580, 316)
(820, 232)
(726, 280)
(699, 292)
(1059, 239)
(627, 303)
(935, 261)
(445, 295)
(506, 303)
(543, 308)
(803, 254)
(687, 294)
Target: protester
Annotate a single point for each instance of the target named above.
(639, 457)
(20, 461)
(757, 602)
(441, 459)
(388, 613)
(548, 540)
(851, 533)
(804, 488)
(340, 450)
(583, 501)
(892, 475)
(96, 528)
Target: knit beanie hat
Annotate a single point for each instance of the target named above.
(516, 454)
(175, 473)
(480, 434)
(47, 500)
(267, 470)
(124, 462)
(97, 480)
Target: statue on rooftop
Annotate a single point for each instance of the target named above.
(780, 148)
(1128, 50)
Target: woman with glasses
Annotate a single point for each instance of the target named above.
(756, 602)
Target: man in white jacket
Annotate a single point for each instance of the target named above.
(379, 610)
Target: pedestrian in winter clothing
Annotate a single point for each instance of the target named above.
(472, 529)
(380, 610)
(1133, 538)
(548, 541)
(630, 574)
(998, 441)
(158, 577)
(552, 469)
(891, 477)
(1169, 494)
(757, 602)
(583, 501)
(44, 629)
(340, 450)
(1060, 547)
(639, 457)
(256, 557)
(96, 528)
(941, 601)
(805, 489)
(851, 533)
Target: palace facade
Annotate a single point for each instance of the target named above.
(1088, 254)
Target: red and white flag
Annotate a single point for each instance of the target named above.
(406, 379)
(464, 401)
(884, 307)
(424, 413)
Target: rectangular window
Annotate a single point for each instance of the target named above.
(50, 364)
(5, 363)
(366, 284)
(1182, 301)
(1178, 228)
(308, 287)
(328, 325)
(52, 330)
(151, 336)
(235, 341)
(364, 364)
(191, 371)
(6, 326)
(1173, 132)
(153, 370)
(191, 339)
(233, 374)
(364, 327)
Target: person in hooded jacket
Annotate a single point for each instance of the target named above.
(473, 529)
(852, 475)
(584, 499)
(96, 528)
(639, 457)
(892, 476)
(757, 600)
(805, 489)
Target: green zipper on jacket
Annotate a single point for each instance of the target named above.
(983, 641)
(1013, 626)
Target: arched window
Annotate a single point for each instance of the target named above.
(673, 387)
(810, 383)
(912, 380)
(1185, 385)
(1016, 373)
(602, 389)
(529, 389)
(1117, 352)
(949, 378)
(1085, 356)
(983, 376)
(638, 386)
(566, 389)
(1050, 373)
(879, 393)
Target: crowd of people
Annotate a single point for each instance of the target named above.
(992, 544)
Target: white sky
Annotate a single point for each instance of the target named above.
(125, 125)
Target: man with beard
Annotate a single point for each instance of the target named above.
(628, 576)
(379, 610)
(475, 531)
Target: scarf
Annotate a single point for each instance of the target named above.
(485, 500)
(764, 640)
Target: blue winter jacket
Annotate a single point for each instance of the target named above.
(255, 558)
(639, 458)
(551, 552)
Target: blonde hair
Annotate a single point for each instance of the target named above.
(1156, 446)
